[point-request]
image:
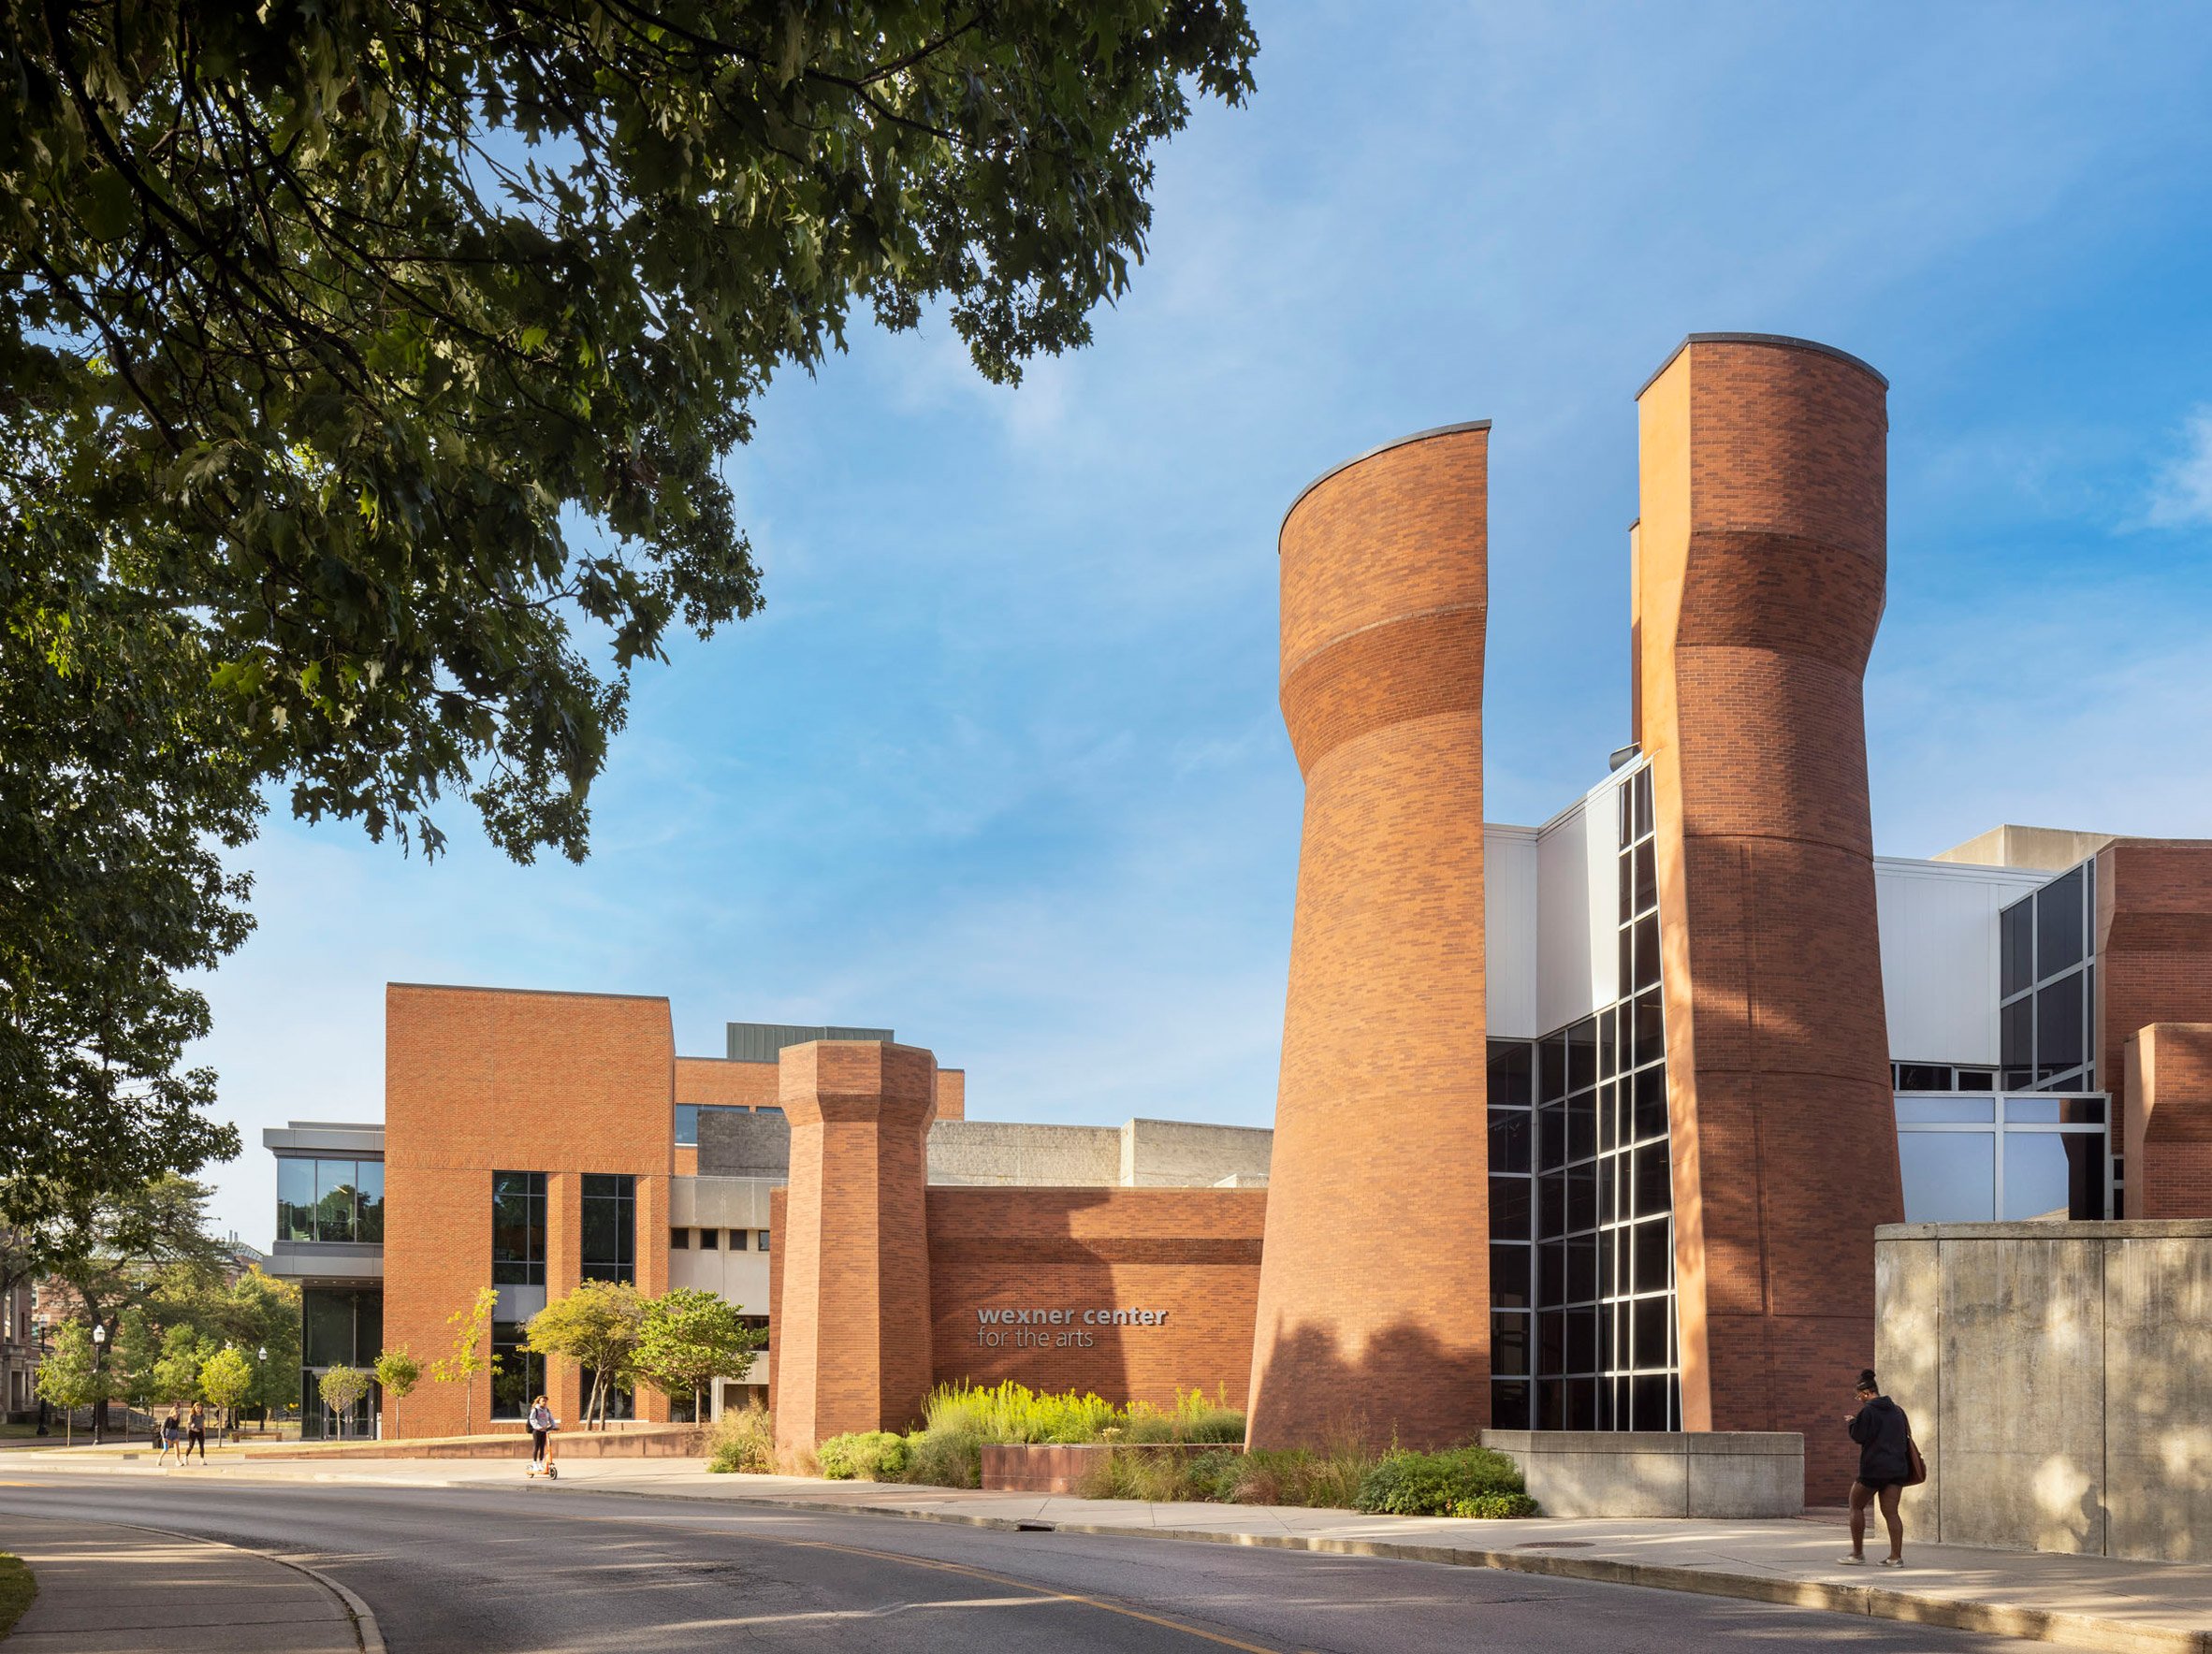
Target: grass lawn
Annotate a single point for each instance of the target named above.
(11, 1431)
(16, 1591)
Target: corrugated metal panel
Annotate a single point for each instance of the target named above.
(759, 1043)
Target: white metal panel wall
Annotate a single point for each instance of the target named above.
(1939, 955)
(1563, 920)
(1509, 926)
(742, 1277)
(1601, 848)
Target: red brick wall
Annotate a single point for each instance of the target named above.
(719, 1080)
(852, 1285)
(484, 1080)
(1191, 1254)
(2169, 1134)
(1373, 1291)
(2154, 952)
(952, 1094)
(1761, 555)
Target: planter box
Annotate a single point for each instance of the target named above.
(1022, 1468)
(1727, 1474)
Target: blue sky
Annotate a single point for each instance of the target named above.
(1000, 765)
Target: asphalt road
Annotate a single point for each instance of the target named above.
(548, 1567)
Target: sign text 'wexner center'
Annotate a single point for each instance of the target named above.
(1038, 1328)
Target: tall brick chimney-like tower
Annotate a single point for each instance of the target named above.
(1761, 559)
(1374, 1282)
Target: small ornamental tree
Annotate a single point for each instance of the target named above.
(597, 1326)
(70, 1376)
(689, 1339)
(227, 1379)
(469, 1357)
(341, 1387)
(399, 1373)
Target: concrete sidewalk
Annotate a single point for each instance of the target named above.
(106, 1590)
(2087, 1602)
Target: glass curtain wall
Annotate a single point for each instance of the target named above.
(1581, 1192)
(2013, 1157)
(518, 1228)
(2046, 1008)
(329, 1200)
(610, 1228)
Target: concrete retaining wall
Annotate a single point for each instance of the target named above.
(2059, 1376)
(1728, 1473)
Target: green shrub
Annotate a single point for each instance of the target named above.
(1164, 1477)
(864, 1455)
(1013, 1412)
(1327, 1478)
(742, 1439)
(1497, 1507)
(1194, 1417)
(948, 1458)
(1403, 1484)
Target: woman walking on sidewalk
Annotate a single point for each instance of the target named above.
(196, 1435)
(172, 1433)
(542, 1426)
(1888, 1463)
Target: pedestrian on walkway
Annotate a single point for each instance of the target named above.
(1888, 1463)
(172, 1433)
(542, 1426)
(196, 1435)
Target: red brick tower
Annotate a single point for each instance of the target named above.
(1760, 565)
(1374, 1283)
(853, 1344)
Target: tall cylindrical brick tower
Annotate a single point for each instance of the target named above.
(1760, 564)
(1373, 1289)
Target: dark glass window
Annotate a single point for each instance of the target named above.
(518, 1228)
(1551, 1342)
(1582, 1269)
(1581, 1197)
(1551, 1205)
(1650, 1103)
(1651, 1033)
(1654, 1195)
(368, 1184)
(1655, 1255)
(609, 1248)
(1551, 1068)
(518, 1377)
(1509, 1073)
(737, 1239)
(1509, 1344)
(1977, 1079)
(1647, 952)
(1647, 876)
(1508, 1277)
(2016, 929)
(326, 1329)
(334, 1200)
(296, 1200)
(2059, 1044)
(679, 1240)
(1581, 1122)
(1642, 787)
(710, 1240)
(2058, 925)
(1508, 1406)
(1582, 1054)
(1509, 1140)
(1922, 1076)
(1509, 1209)
(687, 1125)
(1551, 1136)
(2016, 1033)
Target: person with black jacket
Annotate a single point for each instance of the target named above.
(1886, 1467)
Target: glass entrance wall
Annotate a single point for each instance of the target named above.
(2008, 1158)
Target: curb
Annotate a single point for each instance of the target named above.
(357, 1613)
(1948, 1613)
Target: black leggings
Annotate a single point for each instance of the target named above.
(537, 1445)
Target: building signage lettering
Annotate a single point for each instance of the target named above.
(1042, 1329)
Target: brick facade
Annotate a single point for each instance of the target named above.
(1760, 564)
(2154, 953)
(851, 1317)
(1375, 1286)
(480, 1079)
(2169, 1140)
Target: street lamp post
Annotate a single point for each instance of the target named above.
(99, 1372)
(261, 1384)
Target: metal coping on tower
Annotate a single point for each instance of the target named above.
(1786, 340)
(1418, 436)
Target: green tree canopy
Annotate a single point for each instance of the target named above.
(597, 1326)
(177, 1374)
(341, 1387)
(71, 1375)
(690, 1338)
(368, 369)
(227, 1379)
(470, 1354)
(399, 1373)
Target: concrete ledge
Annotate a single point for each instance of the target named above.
(1722, 1473)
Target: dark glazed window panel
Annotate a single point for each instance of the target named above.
(710, 1240)
(2058, 1043)
(1582, 1054)
(1551, 1275)
(1551, 1205)
(1510, 1062)
(1550, 1404)
(1627, 949)
(1646, 950)
(296, 1200)
(1509, 1132)
(1508, 1406)
(1627, 797)
(368, 1195)
(1654, 1194)
(518, 1228)
(520, 1377)
(1977, 1079)
(687, 1125)
(1509, 1209)
(1643, 801)
(1551, 1136)
(1648, 1319)
(1655, 1255)
(1922, 1076)
(609, 1226)
(1582, 1402)
(1509, 1345)
(1646, 1402)
(679, 1240)
(1581, 1197)
(2016, 1034)
(2058, 925)
(1608, 1122)
(2015, 929)
(1608, 1185)
(1551, 1341)
(1582, 1125)
(1650, 1032)
(1608, 1051)
(1628, 886)
(367, 1326)
(1509, 1277)
(1646, 858)
(325, 1327)
(334, 1200)
(1581, 1271)
(1551, 1068)
(1650, 1103)
(1581, 1349)
(737, 1239)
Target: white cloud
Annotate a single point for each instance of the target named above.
(2183, 495)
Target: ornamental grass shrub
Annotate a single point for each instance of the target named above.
(961, 1420)
(743, 1439)
(1457, 1481)
(865, 1456)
